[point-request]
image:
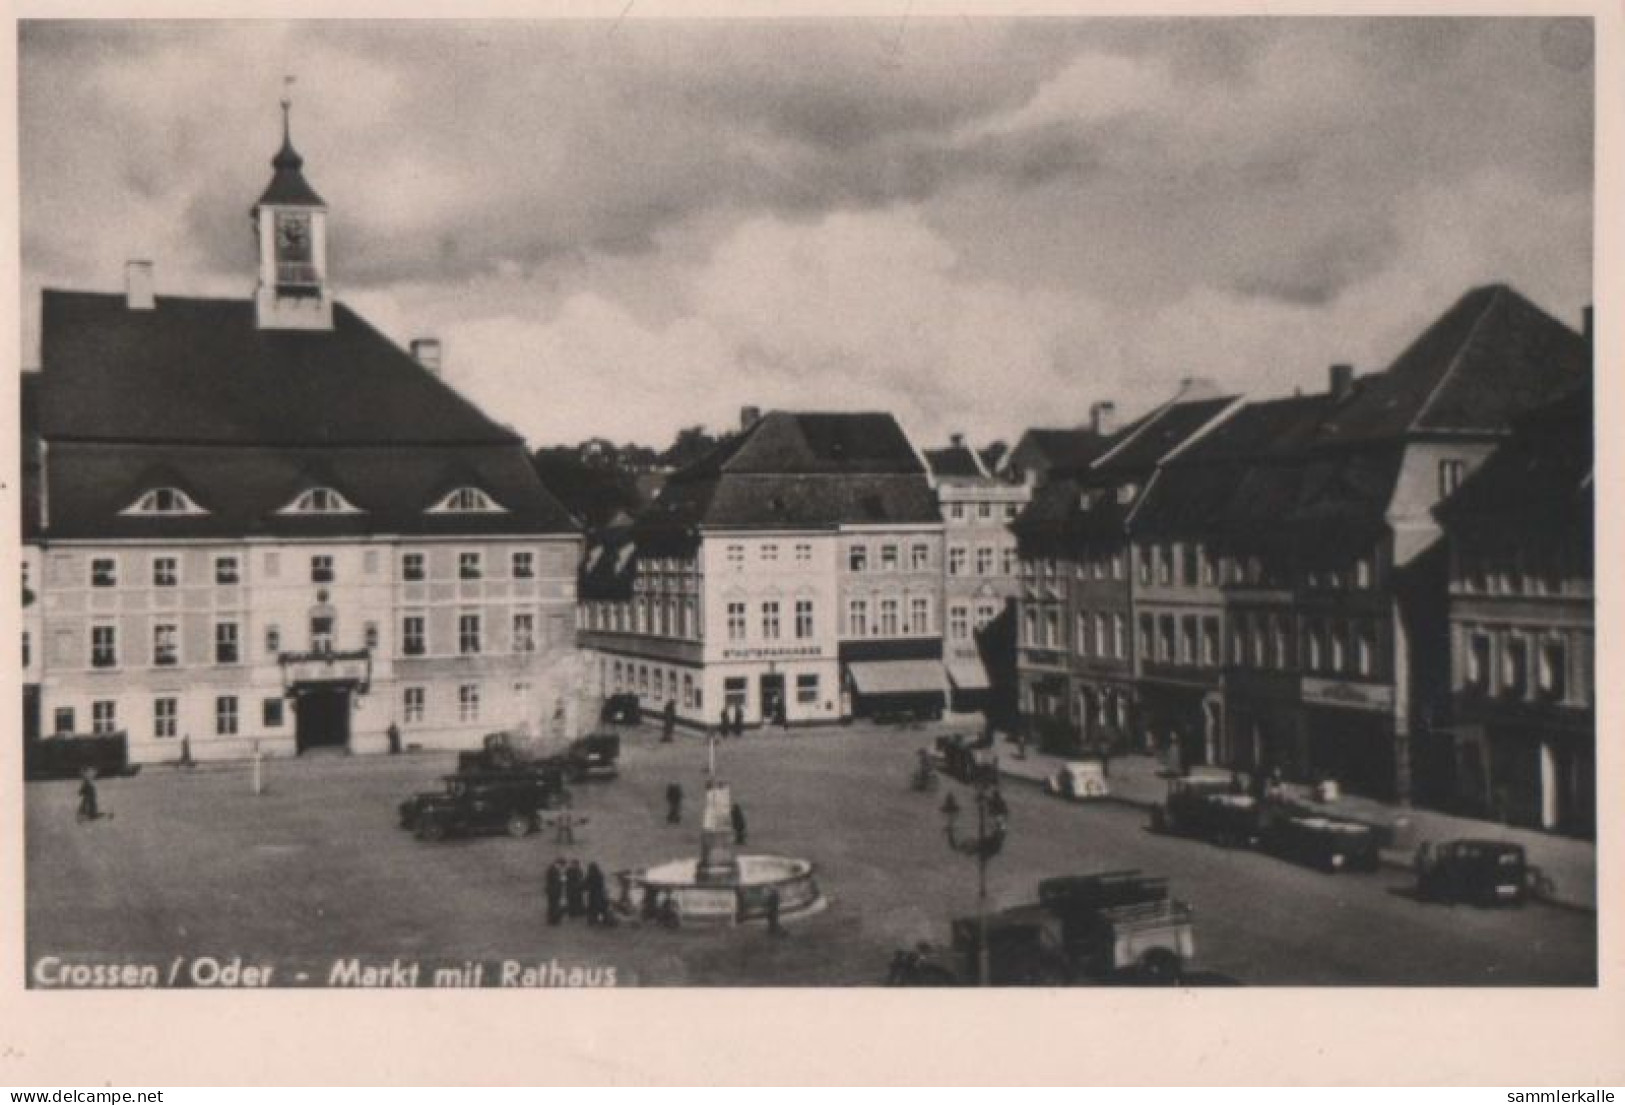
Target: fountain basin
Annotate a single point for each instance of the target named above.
(743, 897)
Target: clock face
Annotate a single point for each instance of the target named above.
(293, 237)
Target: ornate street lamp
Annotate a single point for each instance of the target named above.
(987, 843)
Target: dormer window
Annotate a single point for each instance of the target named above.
(320, 500)
(467, 500)
(168, 501)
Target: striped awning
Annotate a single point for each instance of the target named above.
(896, 676)
(968, 675)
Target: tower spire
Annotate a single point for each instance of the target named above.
(287, 157)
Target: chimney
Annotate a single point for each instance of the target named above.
(957, 440)
(1341, 381)
(1103, 418)
(426, 352)
(138, 295)
(1590, 336)
(749, 416)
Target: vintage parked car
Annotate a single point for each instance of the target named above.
(469, 804)
(1079, 780)
(595, 753)
(1116, 926)
(622, 709)
(967, 760)
(1483, 872)
(505, 752)
(1209, 807)
(1329, 843)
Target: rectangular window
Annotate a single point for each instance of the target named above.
(1165, 564)
(321, 569)
(225, 715)
(165, 711)
(736, 621)
(1119, 637)
(166, 645)
(956, 560)
(412, 567)
(857, 618)
(1282, 645)
(1450, 474)
(1365, 651)
(1029, 626)
(226, 572)
(984, 561)
(468, 702)
(63, 719)
(273, 640)
(688, 689)
(919, 616)
(857, 558)
(321, 633)
(1339, 647)
(524, 633)
(104, 718)
(1165, 638)
(1145, 564)
(1052, 628)
(888, 617)
(369, 634)
(1083, 635)
(804, 618)
(226, 650)
(1553, 670)
(733, 691)
(524, 564)
(736, 556)
(807, 689)
(985, 612)
(468, 634)
(770, 621)
(103, 646)
(1210, 642)
(1187, 640)
(888, 558)
(957, 512)
(104, 572)
(1100, 634)
(803, 554)
(1478, 660)
(919, 557)
(1146, 636)
(958, 622)
(470, 565)
(1514, 666)
(412, 705)
(166, 571)
(1007, 560)
(770, 554)
(1317, 646)
(271, 713)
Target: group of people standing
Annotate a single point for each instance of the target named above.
(574, 892)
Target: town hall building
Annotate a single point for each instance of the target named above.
(260, 524)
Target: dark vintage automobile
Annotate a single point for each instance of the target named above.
(1116, 926)
(593, 754)
(596, 753)
(1329, 843)
(67, 755)
(622, 709)
(1209, 807)
(1482, 872)
(967, 760)
(509, 803)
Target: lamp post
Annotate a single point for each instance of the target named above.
(986, 844)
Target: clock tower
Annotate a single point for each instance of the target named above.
(290, 226)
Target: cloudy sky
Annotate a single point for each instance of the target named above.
(982, 225)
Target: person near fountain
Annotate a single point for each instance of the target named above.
(598, 914)
(575, 896)
(674, 803)
(555, 891)
(736, 815)
(668, 721)
(773, 903)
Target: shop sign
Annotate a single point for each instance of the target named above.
(1354, 696)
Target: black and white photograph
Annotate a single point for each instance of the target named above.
(934, 500)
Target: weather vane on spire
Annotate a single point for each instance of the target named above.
(287, 101)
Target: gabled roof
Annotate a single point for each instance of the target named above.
(954, 462)
(1541, 480)
(1064, 450)
(799, 470)
(1490, 356)
(201, 371)
(1148, 442)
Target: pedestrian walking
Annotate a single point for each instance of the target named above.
(394, 735)
(737, 816)
(575, 889)
(555, 891)
(998, 810)
(88, 809)
(674, 803)
(724, 721)
(1105, 761)
(782, 715)
(564, 827)
(186, 752)
(597, 898)
(739, 720)
(668, 722)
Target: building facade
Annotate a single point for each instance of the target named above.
(262, 526)
(809, 547)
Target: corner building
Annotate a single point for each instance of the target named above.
(261, 524)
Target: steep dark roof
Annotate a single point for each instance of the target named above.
(288, 184)
(800, 470)
(192, 394)
(1490, 356)
(201, 371)
(1146, 443)
(1542, 479)
(1058, 450)
(956, 461)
